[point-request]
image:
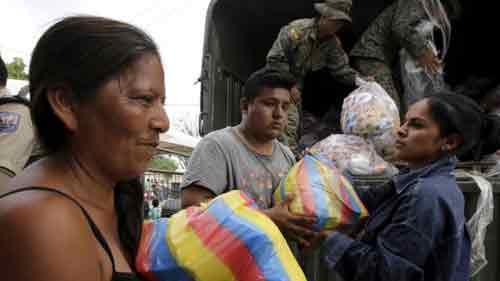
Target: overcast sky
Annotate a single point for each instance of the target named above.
(176, 26)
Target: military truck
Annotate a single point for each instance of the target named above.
(239, 33)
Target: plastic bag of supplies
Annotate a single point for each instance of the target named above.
(478, 223)
(321, 190)
(227, 239)
(354, 155)
(417, 82)
(369, 112)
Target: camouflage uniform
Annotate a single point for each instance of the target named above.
(381, 73)
(376, 52)
(298, 50)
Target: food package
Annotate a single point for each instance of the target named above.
(369, 112)
(354, 155)
(227, 239)
(320, 190)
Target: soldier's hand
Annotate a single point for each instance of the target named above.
(369, 78)
(296, 95)
(430, 62)
(297, 227)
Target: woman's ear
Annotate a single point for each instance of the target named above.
(452, 142)
(63, 105)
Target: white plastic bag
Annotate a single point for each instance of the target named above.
(369, 112)
(495, 170)
(437, 16)
(479, 221)
(416, 81)
(353, 154)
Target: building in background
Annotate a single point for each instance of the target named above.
(162, 180)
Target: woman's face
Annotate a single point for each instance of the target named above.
(418, 140)
(119, 129)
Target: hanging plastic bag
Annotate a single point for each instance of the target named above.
(495, 170)
(479, 221)
(437, 15)
(321, 190)
(227, 239)
(354, 155)
(416, 81)
(369, 112)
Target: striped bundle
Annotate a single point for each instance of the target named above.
(226, 239)
(321, 190)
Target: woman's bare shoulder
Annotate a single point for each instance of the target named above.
(45, 236)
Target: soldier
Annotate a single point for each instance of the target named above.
(307, 45)
(376, 52)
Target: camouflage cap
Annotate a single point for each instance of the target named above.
(335, 9)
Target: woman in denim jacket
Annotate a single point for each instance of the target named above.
(416, 230)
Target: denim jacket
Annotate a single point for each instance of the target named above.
(416, 231)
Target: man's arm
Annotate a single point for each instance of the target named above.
(277, 57)
(295, 226)
(338, 63)
(193, 195)
(407, 16)
(206, 174)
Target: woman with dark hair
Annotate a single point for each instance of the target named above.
(97, 96)
(417, 229)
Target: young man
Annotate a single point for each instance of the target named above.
(308, 45)
(248, 156)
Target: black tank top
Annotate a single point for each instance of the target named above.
(117, 276)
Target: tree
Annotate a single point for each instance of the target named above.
(16, 69)
(187, 124)
(161, 163)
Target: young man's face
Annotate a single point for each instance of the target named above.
(266, 114)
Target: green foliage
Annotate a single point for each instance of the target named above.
(16, 69)
(160, 163)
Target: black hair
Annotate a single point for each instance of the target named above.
(156, 202)
(129, 201)
(458, 114)
(267, 78)
(84, 52)
(477, 87)
(3, 73)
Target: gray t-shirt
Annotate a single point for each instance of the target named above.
(222, 161)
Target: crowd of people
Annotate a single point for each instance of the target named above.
(96, 106)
